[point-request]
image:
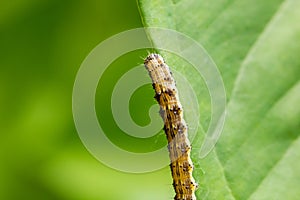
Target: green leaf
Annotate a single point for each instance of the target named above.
(256, 46)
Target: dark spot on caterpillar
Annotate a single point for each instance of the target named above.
(170, 92)
(153, 85)
(174, 126)
(167, 78)
(166, 128)
(157, 97)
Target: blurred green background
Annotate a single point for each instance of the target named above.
(42, 44)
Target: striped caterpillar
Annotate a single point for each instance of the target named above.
(174, 126)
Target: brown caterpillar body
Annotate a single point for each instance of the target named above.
(174, 126)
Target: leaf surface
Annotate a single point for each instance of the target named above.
(256, 46)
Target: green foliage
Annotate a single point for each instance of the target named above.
(256, 46)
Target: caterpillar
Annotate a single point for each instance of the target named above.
(175, 128)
